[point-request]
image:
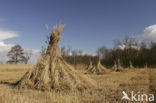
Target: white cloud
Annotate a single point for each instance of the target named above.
(149, 33)
(34, 57)
(122, 47)
(5, 48)
(5, 34)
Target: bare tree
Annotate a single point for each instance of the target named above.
(16, 54)
(68, 50)
(102, 51)
(27, 55)
(80, 52)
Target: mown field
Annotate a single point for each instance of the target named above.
(109, 89)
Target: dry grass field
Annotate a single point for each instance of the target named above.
(109, 90)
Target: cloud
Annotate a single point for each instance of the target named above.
(149, 33)
(35, 55)
(5, 48)
(5, 34)
(122, 47)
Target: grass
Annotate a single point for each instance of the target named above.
(109, 90)
(11, 73)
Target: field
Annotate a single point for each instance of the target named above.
(109, 90)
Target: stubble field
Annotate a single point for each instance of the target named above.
(109, 89)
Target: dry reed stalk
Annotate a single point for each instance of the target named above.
(53, 73)
(98, 68)
(131, 65)
(117, 66)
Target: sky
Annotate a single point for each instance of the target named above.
(89, 23)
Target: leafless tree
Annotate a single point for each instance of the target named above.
(102, 51)
(27, 56)
(16, 54)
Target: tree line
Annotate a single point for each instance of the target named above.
(129, 51)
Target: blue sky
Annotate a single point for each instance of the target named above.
(89, 23)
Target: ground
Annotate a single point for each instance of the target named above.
(109, 89)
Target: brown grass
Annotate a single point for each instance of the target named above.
(109, 90)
